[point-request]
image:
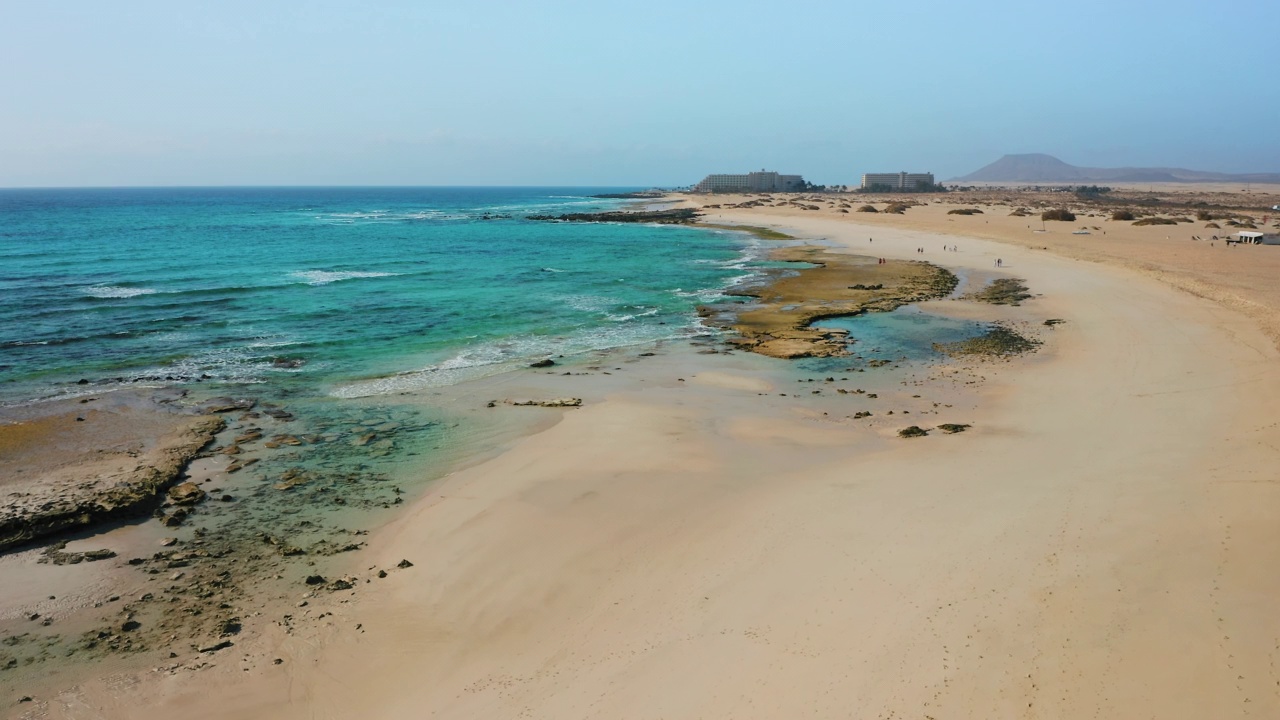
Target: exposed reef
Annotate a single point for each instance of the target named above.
(1002, 291)
(780, 324)
(679, 216)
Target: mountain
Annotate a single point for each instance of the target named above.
(1040, 168)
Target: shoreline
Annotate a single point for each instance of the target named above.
(692, 527)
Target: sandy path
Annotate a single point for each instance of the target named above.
(1102, 544)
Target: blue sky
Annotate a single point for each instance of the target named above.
(623, 93)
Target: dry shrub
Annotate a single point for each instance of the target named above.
(965, 211)
(1156, 221)
(868, 208)
(1020, 212)
(897, 208)
(1058, 214)
(1122, 215)
(1215, 226)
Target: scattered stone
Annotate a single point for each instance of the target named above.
(557, 402)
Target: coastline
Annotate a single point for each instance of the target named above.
(686, 545)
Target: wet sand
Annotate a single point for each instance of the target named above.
(705, 540)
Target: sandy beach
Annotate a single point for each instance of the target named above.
(702, 542)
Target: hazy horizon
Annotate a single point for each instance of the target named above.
(572, 94)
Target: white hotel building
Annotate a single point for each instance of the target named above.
(897, 181)
(762, 181)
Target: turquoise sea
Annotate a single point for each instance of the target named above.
(337, 292)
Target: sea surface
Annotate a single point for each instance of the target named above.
(337, 292)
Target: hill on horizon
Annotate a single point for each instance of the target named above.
(1041, 168)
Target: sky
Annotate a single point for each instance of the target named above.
(624, 93)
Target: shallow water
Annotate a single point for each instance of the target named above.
(903, 335)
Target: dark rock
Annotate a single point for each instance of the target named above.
(315, 580)
(188, 493)
(548, 362)
(216, 647)
(404, 564)
(130, 626)
(225, 404)
(382, 573)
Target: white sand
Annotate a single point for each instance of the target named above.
(1103, 543)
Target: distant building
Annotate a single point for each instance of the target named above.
(762, 181)
(897, 181)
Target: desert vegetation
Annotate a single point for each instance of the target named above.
(1058, 214)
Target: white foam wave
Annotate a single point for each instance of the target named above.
(493, 358)
(588, 303)
(111, 292)
(324, 277)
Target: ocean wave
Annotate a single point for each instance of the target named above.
(324, 277)
(113, 292)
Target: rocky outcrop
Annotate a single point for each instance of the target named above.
(678, 216)
(51, 509)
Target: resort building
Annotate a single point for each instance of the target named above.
(897, 181)
(762, 181)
